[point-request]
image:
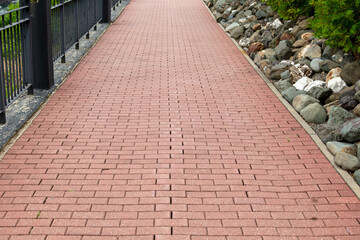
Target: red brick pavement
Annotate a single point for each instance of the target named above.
(164, 131)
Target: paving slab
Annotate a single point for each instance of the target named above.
(165, 131)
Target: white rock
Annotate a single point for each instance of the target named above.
(334, 73)
(276, 24)
(317, 83)
(302, 83)
(242, 20)
(245, 42)
(232, 26)
(336, 84)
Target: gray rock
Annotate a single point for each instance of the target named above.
(248, 13)
(357, 96)
(303, 100)
(290, 93)
(351, 73)
(357, 177)
(282, 85)
(285, 75)
(319, 76)
(349, 91)
(351, 130)
(270, 54)
(336, 147)
(300, 43)
(266, 39)
(315, 64)
(295, 30)
(313, 52)
(328, 52)
(338, 115)
(249, 32)
(260, 14)
(357, 85)
(348, 103)
(274, 42)
(358, 149)
(283, 50)
(275, 71)
(327, 132)
(347, 161)
(314, 113)
(327, 65)
(320, 93)
(237, 32)
(338, 57)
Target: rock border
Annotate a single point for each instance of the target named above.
(344, 174)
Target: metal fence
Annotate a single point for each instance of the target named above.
(71, 20)
(15, 55)
(36, 34)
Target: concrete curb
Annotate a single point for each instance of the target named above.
(29, 117)
(344, 174)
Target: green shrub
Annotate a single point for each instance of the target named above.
(291, 9)
(339, 22)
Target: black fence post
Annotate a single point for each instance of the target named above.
(41, 37)
(106, 11)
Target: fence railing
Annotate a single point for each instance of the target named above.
(37, 34)
(15, 53)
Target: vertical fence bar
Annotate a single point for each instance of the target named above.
(106, 11)
(62, 30)
(2, 87)
(88, 19)
(26, 46)
(77, 30)
(41, 38)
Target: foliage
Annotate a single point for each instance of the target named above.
(339, 22)
(291, 9)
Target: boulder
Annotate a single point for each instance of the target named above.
(270, 54)
(237, 32)
(357, 86)
(256, 37)
(303, 100)
(336, 84)
(347, 161)
(303, 24)
(299, 71)
(231, 26)
(336, 147)
(302, 83)
(349, 91)
(314, 113)
(348, 103)
(274, 42)
(287, 36)
(316, 83)
(334, 73)
(328, 52)
(356, 110)
(290, 93)
(282, 85)
(338, 56)
(351, 73)
(307, 36)
(244, 42)
(327, 132)
(357, 96)
(275, 71)
(276, 24)
(351, 130)
(315, 64)
(283, 50)
(260, 14)
(327, 65)
(285, 75)
(320, 93)
(300, 43)
(310, 51)
(357, 177)
(338, 115)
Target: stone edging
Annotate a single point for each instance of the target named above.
(344, 174)
(42, 97)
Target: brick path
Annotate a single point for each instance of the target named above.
(165, 129)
